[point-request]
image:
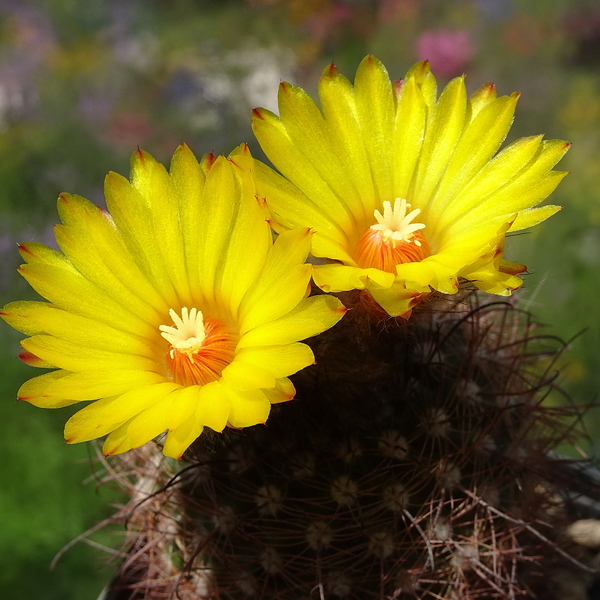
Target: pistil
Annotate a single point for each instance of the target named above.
(394, 239)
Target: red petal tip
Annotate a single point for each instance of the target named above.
(210, 159)
(332, 71)
(24, 248)
(256, 113)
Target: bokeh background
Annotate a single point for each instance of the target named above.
(84, 82)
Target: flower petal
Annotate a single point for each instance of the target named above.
(288, 158)
(444, 129)
(42, 317)
(282, 284)
(281, 361)
(106, 415)
(283, 391)
(341, 278)
(179, 439)
(247, 408)
(344, 131)
(90, 385)
(310, 317)
(375, 109)
(74, 357)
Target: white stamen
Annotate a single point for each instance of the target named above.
(188, 334)
(395, 225)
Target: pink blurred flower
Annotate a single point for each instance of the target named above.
(449, 52)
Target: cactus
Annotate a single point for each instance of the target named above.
(416, 462)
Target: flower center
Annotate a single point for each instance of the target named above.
(199, 348)
(393, 240)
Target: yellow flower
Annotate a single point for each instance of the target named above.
(174, 312)
(404, 192)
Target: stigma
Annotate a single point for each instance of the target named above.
(395, 225)
(199, 348)
(394, 239)
(188, 334)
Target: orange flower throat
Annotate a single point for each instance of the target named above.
(393, 240)
(199, 348)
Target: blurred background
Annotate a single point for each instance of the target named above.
(84, 82)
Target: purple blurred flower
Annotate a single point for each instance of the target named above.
(449, 52)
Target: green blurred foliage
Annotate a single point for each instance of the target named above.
(83, 82)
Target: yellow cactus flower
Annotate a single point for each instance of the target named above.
(405, 193)
(174, 312)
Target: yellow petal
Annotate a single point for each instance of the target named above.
(106, 415)
(305, 124)
(340, 278)
(178, 440)
(217, 213)
(90, 385)
(34, 253)
(122, 263)
(133, 217)
(479, 142)
(291, 207)
(409, 130)
(34, 391)
(326, 247)
(344, 131)
(310, 317)
(242, 376)
(74, 357)
(159, 417)
(248, 244)
(214, 405)
(281, 361)
(42, 317)
(533, 216)
(283, 391)
(83, 297)
(481, 98)
(290, 162)
(152, 181)
(94, 247)
(187, 188)
(247, 408)
(282, 284)
(375, 108)
(16, 314)
(117, 442)
(444, 129)
(396, 300)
